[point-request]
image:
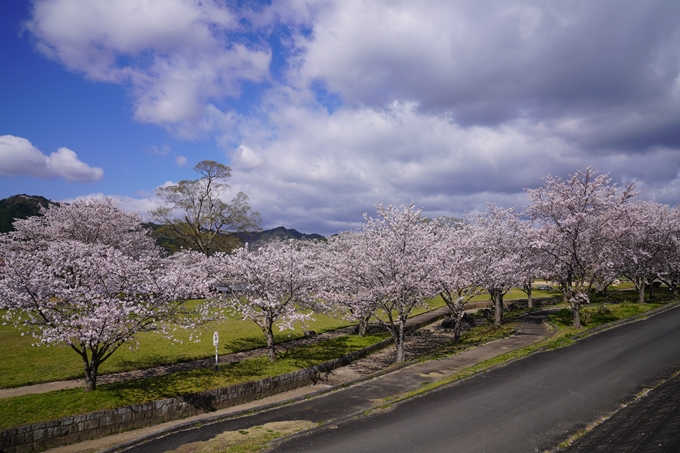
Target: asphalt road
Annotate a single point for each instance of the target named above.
(527, 406)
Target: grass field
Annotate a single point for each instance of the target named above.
(22, 364)
(33, 408)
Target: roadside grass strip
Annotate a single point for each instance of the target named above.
(63, 403)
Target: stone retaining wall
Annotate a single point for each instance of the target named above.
(68, 430)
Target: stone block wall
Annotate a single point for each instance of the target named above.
(69, 430)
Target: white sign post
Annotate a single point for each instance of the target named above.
(216, 342)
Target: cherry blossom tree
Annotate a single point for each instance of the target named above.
(457, 275)
(498, 242)
(341, 285)
(272, 284)
(577, 228)
(648, 228)
(89, 221)
(395, 266)
(529, 262)
(73, 278)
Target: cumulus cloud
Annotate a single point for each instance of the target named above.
(320, 177)
(18, 157)
(175, 55)
(245, 158)
(181, 161)
(494, 60)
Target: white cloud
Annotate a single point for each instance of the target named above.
(246, 158)
(320, 172)
(18, 157)
(176, 54)
(128, 204)
(159, 150)
(181, 161)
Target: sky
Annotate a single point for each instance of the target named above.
(324, 108)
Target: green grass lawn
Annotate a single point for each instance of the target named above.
(593, 315)
(46, 406)
(22, 364)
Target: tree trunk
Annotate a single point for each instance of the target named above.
(497, 299)
(458, 316)
(575, 310)
(363, 326)
(91, 369)
(399, 341)
(530, 300)
(270, 343)
(641, 293)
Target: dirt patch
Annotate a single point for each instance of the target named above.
(246, 440)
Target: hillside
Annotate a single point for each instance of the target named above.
(165, 239)
(259, 237)
(19, 207)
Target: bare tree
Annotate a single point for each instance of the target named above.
(198, 218)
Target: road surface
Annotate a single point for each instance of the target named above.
(527, 406)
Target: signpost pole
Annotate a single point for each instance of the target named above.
(216, 342)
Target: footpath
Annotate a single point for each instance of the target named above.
(344, 393)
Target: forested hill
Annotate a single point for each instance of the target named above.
(254, 238)
(19, 207)
(165, 238)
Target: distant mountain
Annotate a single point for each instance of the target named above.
(258, 237)
(165, 239)
(19, 207)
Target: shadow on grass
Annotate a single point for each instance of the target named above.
(244, 344)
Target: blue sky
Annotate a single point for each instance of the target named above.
(323, 108)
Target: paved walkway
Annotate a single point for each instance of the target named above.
(340, 403)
